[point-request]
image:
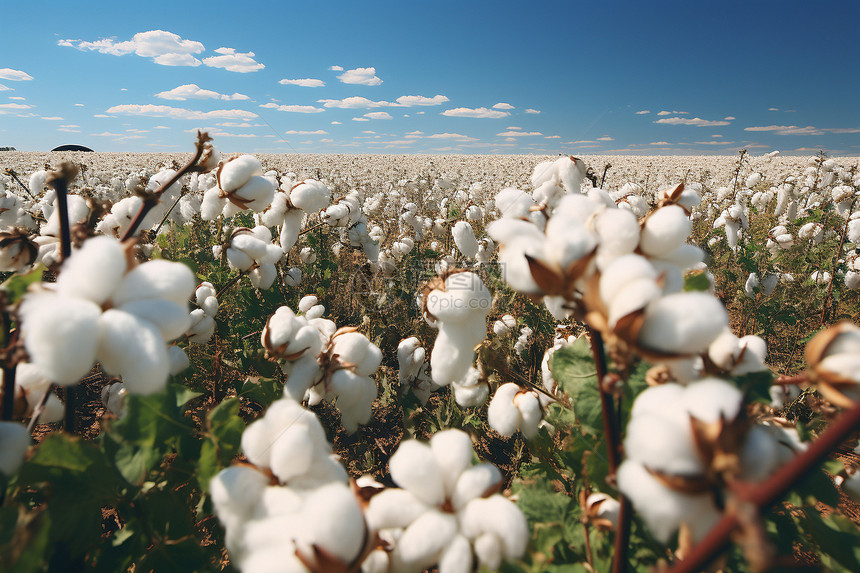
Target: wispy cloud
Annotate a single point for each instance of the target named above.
(234, 61)
(193, 91)
(503, 105)
(696, 121)
(808, 130)
(14, 75)
(164, 48)
(305, 83)
(180, 113)
(293, 108)
(361, 76)
(480, 112)
(517, 133)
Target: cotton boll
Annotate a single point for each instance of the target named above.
(393, 508)
(310, 195)
(100, 256)
(497, 516)
(14, 443)
(202, 327)
(665, 230)
(414, 467)
(134, 349)
(421, 543)
(212, 204)
(337, 526)
(464, 238)
(236, 173)
(263, 276)
(619, 234)
(63, 349)
(453, 452)
(457, 557)
(663, 442)
(178, 360)
(711, 399)
(502, 414)
(171, 319)
(513, 203)
(682, 323)
(156, 279)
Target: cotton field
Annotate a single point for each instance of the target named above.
(382, 363)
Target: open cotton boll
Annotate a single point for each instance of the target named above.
(338, 525)
(100, 256)
(498, 516)
(410, 358)
(502, 414)
(623, 271)
(355, 348)
(256, 194)
(156, 279)
(14, 442)
(263, 277)
(464, 238)
(474, 483)
(202, 327)
(665, 230)
(513, 203)
(133, 348)
(60, 335)
(212, 204)
(205, 297)
(663, 442)
(453, 452)
(393, 508)
(178, 360)
(236, 172)
(414, 468)
(307, 302)
(618, 232)
(310, 195)
(457, 557)
(663, 509)
(171, 319)
(682, 323)
(453, 351)
(711, 399)
(422, 542)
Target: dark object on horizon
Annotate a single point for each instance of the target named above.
(8, 149)
(71, 148)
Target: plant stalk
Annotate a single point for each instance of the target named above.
(833, 268)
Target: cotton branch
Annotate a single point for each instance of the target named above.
(196, 164)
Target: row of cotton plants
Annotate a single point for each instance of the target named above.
(321, 360)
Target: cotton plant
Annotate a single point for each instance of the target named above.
(110, 311)
(251, 251)
(412, 369)
(457, 303)
(203, 317)
(323, 362)
(514, 408)
(445, 512)
(681, 437)
(240, 186)
(289, 508)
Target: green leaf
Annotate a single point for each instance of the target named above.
(697, 282)
(573, 368)
(836, 536)
(16, 285)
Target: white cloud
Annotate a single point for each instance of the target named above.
(659, 143)
(360, 119)
(53, 118)
(79, 105)
(293, 108)
(480, 112)
(234, 61)
(457, 136)
(513, 133)
(101, 115)
(378, 115)
(361, 76)
(730, 118)
(18, 98)
(336, 123)
(407, 101)
(503, 105)
(416, 132)
(664, 112)
(5, 88)
(808, 130)
(180, 113)
(193, 91)
(605, 138)
(530, 110)
(643, 112)
(336, 68)
(16, 106)
(106, 134)
(354, 102)
(552, 137)
(14, 75)
(69, 129)
(698, 122)
(773, 109)
(165, 48)
(714, 142)
(305, 83)
(242, 124)
(160, 127)
(317, 132)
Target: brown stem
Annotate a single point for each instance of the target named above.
(152, 200)
(833, 267)
(792, 380)
(8, 392)
(166, 215)
(766, 494)
(309, 229)
(40, 407)
(19, 182)
(72, 398)
(59, 180)
(229, 284)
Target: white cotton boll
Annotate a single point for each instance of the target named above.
(662, 509)
(567, 240)
(156, 279)
(355, 395)
(710, 399)
(607, 508)
(290, 229)
(393, 508)
(531, 414)
(238, 171)
(464, 238)
(239, 259)
(308, 302)
(14, 443)
(38, 181)
(274, 214)
(256, 194)
(212, 204)
(684, 257)
(488, 550)
(623, 271)
(513, 203)
(752, 285)
(619, 234)
(94, 271)
(665, 230)
(502, 414)
(355, 348)
(414, 467)
(820, 277)
(682, 323)
(500, 517)
(410, 358)
(759, 455)
(457, 557)
(852, 280)
(263, 276)
(237, 490)
(657, 399)
(310, 195)
(113, 397)
(202, 327)
(421, 543)
(249, 243)
(134, 349)
(171, 319)
(337, 526)
(476, 481)
(470, 396)
(453, 451)
(453, 351)
(293, 277)
(178, 360)
(663, 441)
(63, 348)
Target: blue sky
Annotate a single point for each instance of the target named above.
(660, 77)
